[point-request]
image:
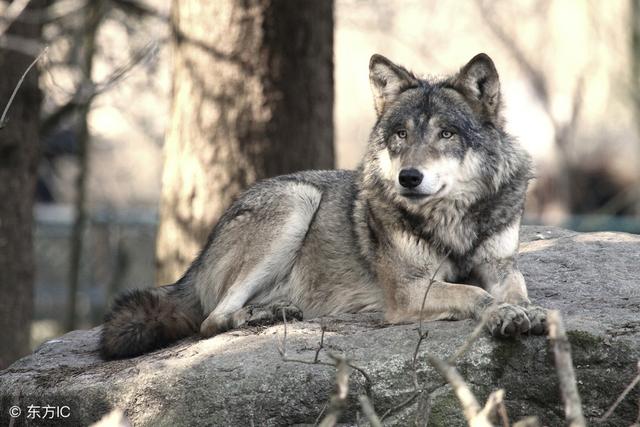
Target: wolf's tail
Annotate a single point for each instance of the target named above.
(144, 320)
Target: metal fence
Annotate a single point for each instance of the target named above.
(118, 253)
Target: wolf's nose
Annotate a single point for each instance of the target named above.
(410, 178)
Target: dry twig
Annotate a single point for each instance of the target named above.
(323, 327)
(85, 92)
(475, 416)
(527, 422)
(426, 292)
(338, 399)
(369, 412)
(3, 118)
(11, 13)
(564, 368)
(620, 398)
(471, 338)
(470, 405)
(422, 335)
(282, 349)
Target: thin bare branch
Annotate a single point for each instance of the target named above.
(426, 292)
(466, 345)
(535, 75)
(11, 13)
(423, 412)
(527, 422)
(3, 118)
(21, 44)
(414, 361)
(492, 406)
(475, 416)
(400, 405)
(369, 412)
(139, 9)
(140, 56)
(564, 368)
(504, 416)
(422, 335)
(324, 408)
(57, 10)
(620, 398)
(338, 400)
(323, 327)
(282, 349)
(85, 93)
(470, 405)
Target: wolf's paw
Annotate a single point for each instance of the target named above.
(538, 319)
(250, 315)
(507, 320)
(268, 315)
(218, 323)
(290, 311)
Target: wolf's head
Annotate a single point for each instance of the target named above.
(439, 139)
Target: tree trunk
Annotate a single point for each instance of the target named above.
(635, 81)
(18, 165)
(93, 15)
(252, 98)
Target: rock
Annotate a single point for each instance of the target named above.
(239, 378)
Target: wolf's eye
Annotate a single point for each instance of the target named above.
(446, 134)
(402, 134)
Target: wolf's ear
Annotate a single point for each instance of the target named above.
(388, 80)
(478, 81)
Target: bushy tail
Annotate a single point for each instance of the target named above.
(144, 320)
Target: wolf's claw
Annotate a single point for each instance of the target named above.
(507, 320)
(538, 318)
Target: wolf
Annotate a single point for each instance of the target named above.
(436, 203)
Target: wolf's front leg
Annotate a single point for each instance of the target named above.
(503, 280)
(454, 301)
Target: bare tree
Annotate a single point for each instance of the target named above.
(18, 164)
(252, 98)
(77, 30)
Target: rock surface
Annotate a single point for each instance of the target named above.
(239, 378)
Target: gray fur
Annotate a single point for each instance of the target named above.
(352, 241)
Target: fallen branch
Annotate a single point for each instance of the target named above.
(564, 368)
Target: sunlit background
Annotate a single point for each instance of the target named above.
(567, 74)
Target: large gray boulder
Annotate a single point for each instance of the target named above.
(239, 378)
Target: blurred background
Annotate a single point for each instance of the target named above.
(144, 118)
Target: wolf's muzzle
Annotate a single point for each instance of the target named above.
(410, 178)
